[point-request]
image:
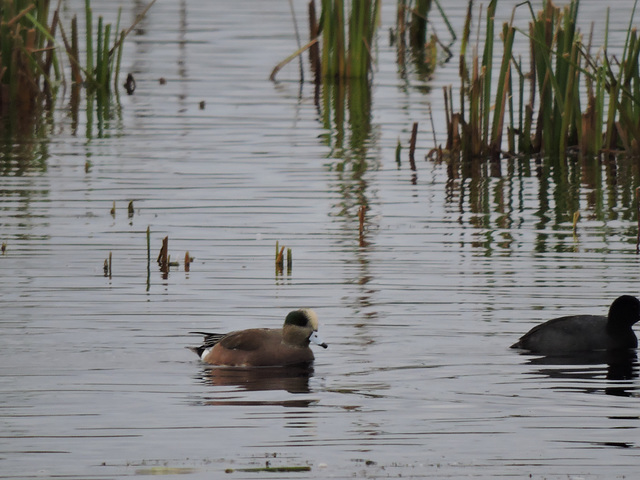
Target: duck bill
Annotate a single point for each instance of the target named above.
(314, 338)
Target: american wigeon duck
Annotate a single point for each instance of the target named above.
(264, 347)
(582, 333)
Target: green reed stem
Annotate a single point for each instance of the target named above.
(118, 62)
(503, 90)
(446, 19)
(350, 55)
(487, 63)
(89, 35)
(99, 64)
(418, 23)
(106, 59)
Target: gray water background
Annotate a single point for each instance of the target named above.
(418, 379)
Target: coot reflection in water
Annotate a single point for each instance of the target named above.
(613, 372)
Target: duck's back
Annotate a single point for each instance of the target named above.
(251, 339)
(573, 333)
(258, 348)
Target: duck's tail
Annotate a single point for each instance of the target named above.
(210, 340)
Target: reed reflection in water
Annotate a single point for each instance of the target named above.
(593, 192)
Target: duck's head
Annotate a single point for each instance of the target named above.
(301, 326)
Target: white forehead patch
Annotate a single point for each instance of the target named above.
(313, 318)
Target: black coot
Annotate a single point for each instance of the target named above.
(582, 333)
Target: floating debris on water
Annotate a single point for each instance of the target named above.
(107, 265)
(130, 84)
(269, 468)
(165, 471)
(412, 146)
(163, 255)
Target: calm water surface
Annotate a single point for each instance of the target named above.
(418, 380)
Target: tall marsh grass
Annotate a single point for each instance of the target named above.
(30, 64)
(578, 101)
(341, 43)
(346, 41)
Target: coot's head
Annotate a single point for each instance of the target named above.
(624, 312)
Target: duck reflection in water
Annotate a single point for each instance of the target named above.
(233, 381)
(578, 347)
(292, 379)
